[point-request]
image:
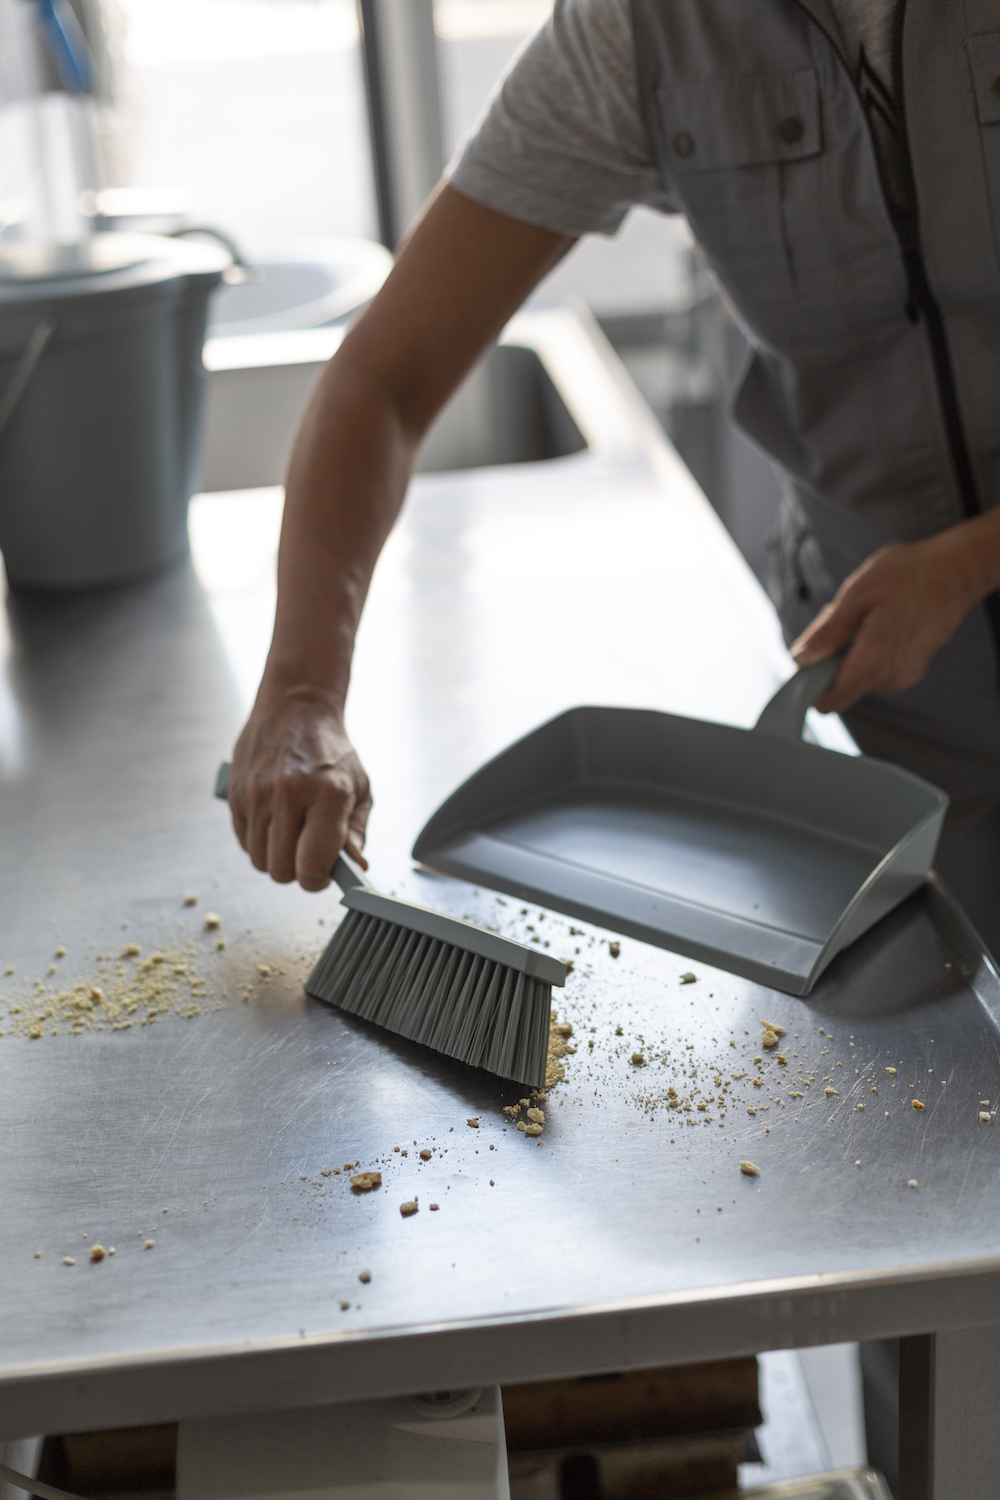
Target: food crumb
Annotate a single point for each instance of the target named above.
(891, 1072)
(434, 1208)
(131, 950)
(264, 970)
(618, 1031)
(751, 1109)
(38, 1255)
(69, 1260)
(532, 1130)
(916, 1104)
(212, 921)
(773, 1026)
(614, 949)
(828, 1090)
(344, 1304)
(984, 1117)
(474, 1122)
(324, 1172)
(111, 1249)
(638, 1059)
(689, 978)
(536, 1116)
(365, 1181)
(191, 899)
(365, 1276)
(860, 1106)
(912, 1182)
(769, 1040)
(221, 945)
(425, 1155)
(150, 1244)
(749, 1169)
(34, 1033)
(97, 1252)
(408, 1209)
(60, 952)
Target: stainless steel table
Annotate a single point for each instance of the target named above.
(628, 1236)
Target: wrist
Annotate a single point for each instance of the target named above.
(969, 555)
(295, 686)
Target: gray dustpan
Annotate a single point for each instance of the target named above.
(746, 849)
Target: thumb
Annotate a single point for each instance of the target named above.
(829, 632)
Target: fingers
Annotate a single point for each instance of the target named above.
(831, 629)
(321, 836)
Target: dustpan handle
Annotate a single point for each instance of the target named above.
(784, 716)
(345, 872)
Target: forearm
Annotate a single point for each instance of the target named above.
(346, 483)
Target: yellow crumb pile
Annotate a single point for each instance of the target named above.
(125, 991)
(559, 1047)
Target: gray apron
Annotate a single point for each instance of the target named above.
(874, 377)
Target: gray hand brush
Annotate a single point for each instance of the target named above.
(448, 984)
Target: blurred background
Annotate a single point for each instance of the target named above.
(253, 117)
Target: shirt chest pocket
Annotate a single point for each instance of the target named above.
(741, 155)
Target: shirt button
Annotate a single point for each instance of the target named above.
(790, 130)
(683, 144)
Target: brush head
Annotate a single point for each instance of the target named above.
(445, 983)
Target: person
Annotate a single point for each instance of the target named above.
(839, 164)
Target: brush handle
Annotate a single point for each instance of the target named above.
(348, 875)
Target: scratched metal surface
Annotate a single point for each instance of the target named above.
(629, 1233)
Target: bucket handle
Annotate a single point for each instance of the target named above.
(785, 714)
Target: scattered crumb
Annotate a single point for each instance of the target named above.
(614, 949)
(150, 1244)
(773, 1026)
(221, 945)
(561, 1028)
(35, 1032)
(434, 1208)
(532, 1130)
(364, 1276)
(38, 1255)
(638, 1059)
(912, 1182)
(619, 1031)
(689, 978)
(536, 1116)
(769, 1040)
(425, 1155)
(365, 1181)
(474, 1123)
(860, 1106)
(324, 1172)
(60, 952)
(828, 1090)
(891, 1072)
(751, 1109)
(408, 1209)
(748, 1169)
(97, 1252)
(111, 1249)
(69, 1260)
(131, 950)
(917, 1104)
(984, 1117)
(212, 921)
(264, 970)
(191, 899)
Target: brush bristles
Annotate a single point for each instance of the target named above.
(433, 992)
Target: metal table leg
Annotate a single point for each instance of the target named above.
(949, 1415)
(406, 1448)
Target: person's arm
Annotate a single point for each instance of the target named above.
(900, 607)
(298, 792)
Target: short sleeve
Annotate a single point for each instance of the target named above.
(562, 143)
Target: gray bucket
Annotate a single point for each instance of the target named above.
(101, 394)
